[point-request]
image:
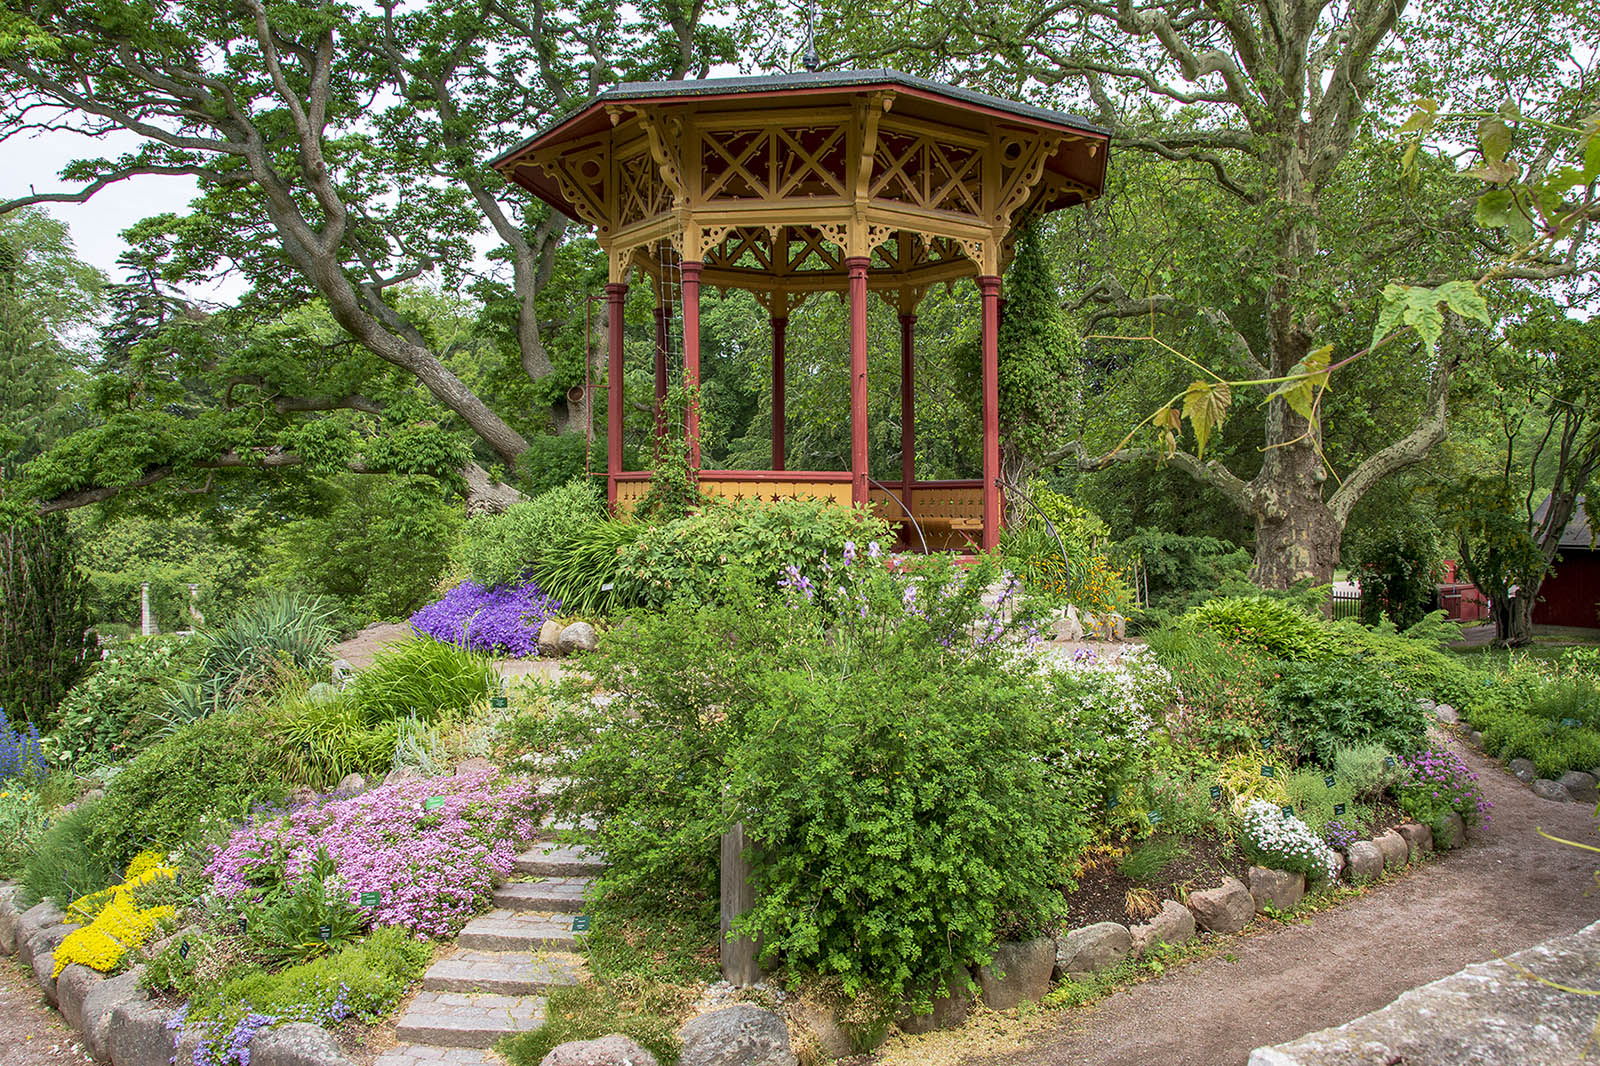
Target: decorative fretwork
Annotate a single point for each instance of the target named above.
(641, 193)
(772, 163)
(923, 171)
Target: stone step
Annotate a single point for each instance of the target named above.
(511, 973)
(560, 894)
(508, 930)
(559, 860)
(551, 826)
(429, 1055)
(468, 1019)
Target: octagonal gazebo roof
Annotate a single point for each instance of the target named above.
(773, 182)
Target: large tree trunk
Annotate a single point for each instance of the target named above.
(1513, 618)
(1297, 535)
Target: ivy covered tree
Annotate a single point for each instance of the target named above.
(44, 620)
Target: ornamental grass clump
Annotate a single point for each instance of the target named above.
(431, 849)
(1277, 839)
(1438, 783)
(498, 618)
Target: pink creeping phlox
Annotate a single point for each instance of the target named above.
(433, 869)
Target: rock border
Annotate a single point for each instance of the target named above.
(119, 1024)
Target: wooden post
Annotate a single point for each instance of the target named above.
(908, 406)
(989, 285)
(857, 267)
(663, 327)
(780, 333)
(739, 966)
(616, 293)
(691, 356)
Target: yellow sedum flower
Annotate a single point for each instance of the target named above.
(115, 923)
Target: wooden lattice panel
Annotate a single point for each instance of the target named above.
(772, 163)
(742, 488)
(630, 494)
(921, 170)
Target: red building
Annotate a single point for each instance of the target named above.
(1570, 596)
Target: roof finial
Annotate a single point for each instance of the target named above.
(811, 35)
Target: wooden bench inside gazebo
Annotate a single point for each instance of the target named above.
(851, 182)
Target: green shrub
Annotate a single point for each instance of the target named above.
(45, 645)
(268, 640)
(64, 863)
(1323, 705)
(1398, 565)
(422, 678)
(553, 460)
(325, 738)
(582, 570)
(1223, 687)
(1368, 769)
(647, 1014)
(1569, 699)
(689, 559)
(122, 705)
(939, 787)
(217, 767)
(1278, 628)
(1415, 664)
(1185, 807)
(22, 822)
(503, 549)
(1551, 747)
(1181, 572)
(1314, 799)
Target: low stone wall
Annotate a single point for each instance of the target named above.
(119, 1024)
(1508, 1012)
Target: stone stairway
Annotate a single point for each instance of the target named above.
(494, 984)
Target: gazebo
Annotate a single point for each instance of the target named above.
(850, 182)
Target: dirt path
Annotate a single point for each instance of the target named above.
(1509, 889)
(31, 1034)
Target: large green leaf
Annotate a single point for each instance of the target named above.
(1419, 307)
(1205, 405)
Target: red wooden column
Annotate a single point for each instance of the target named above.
(616, 293)
(691, 355)
(663, 325)
(908, 406)
(857, 267)
(780, 334)
(989, 285)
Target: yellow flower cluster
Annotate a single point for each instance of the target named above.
(116, 923)
(1098, 590)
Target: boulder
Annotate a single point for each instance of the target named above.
(949, 1011)
(1551, 790)
(550, 637)
(29, 923)
(1581, 786)
(1523, 770)
(351, 784)
(1446, 714)
(72, 988)
(138, 1034)
(474, 766)
(741, 1035)
(1452, 832)
(1019, 972)
(613, 1050)
(1091, 626)
(1280, 889)
(302, 796)
(297, 1044)
(100, 1005)
(1116, 626)
(340, 670)
(1426, 704)
(9, 917)
(42, 957)
(579, 636)
(1476, 738)
(1174, 925)
(818, 1022)
(1227, 908)
(1418, 837)
(1092, 948)
(1362, 862)
(1066, 625)
(1396, 852)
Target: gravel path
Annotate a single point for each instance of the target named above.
(1509, 889)
(31, 1034)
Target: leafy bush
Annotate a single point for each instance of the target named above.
(23, 820)
(307, 919)
(432, 849)
(1223, 702)
(1415, 663)
(690, 559)
(1278, 628)
(1317, 801)
(1369, 769)
(22, 760)
(45, 644)
(420, 677)
(504, 549)
(268, 639)
(1183, 571)
(1086, 575)
(1551, 747)
(939, 790)
(325, 738)
(64, 865)
(1272, 838)
(218, 767)
(1398, 566)
(1244, 781)
(1437, 783)
(552, 460)
(122, 705)
(582, 569)
(1564, 699)
(1323, 705)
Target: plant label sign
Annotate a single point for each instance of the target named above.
(1111, 804)
(1338, 810)
(1154, 816)
(1388, 762)
(432, 803)
(369, 899)
(1269, 771)
(1288, 812)
(1216, 792)
(499, 703)
(183, 950)
(580, 923)
(1570, 723)
(1266, 745)
(241, 926)
(324, 933)
(1328, 780)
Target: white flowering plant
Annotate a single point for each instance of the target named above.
(1276, 838)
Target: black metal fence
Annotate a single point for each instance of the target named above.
(1346, 603)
